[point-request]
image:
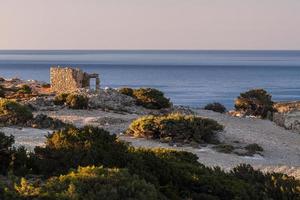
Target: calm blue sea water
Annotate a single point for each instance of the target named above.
(187, 77)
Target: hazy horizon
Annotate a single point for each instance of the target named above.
(150, 25)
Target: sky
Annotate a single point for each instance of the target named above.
(150, 24)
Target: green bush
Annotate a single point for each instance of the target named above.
(253, 148)
(73, 101)
(269, 185)
(216, 107)
(151, 98)
(60, 99)
(2, 92)
(25, 89)
(73, 147)
(76, 101)
(5, 152)
(13, 113)
(46, 85)
(147, 97)
(91, 183)
(255, 102)
(126, 91)
(180, 128)
(12, 159)
(142, 174)
(224, 148)
(42, 121)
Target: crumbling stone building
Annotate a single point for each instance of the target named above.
(67, 79)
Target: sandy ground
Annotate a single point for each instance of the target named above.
(281, 147)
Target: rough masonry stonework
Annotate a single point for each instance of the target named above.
(67, 79)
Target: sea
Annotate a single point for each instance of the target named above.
(187, 77)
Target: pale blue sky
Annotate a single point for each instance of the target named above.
(150, 24)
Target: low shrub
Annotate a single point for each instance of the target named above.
(12, 159)
(72, 147)
(224, 148)
(142, 174)
(5, 152)
(253, 148)
(60, 99)
(46, 85)
(13, 113)
(25, 89)
(2, 92)
(269, 185)
(76, 101)
(216, 107)
(44, 122)
(73, 101)
(151, 98)
(255, 102)
(91, 183)
(180, 128)
(126, 91)
(147, 97)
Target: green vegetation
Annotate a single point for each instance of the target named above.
(253, 148)
(224, 148)
(60, 99)
(76, 101)
(91, 183)
(180, 128)
(13, 113)
(126, 91)
(255, 102)
(73, 101)
(25, 89)
(111, 169)
(147, 97)
(2, 92)
(44, 122)
(216, 107)
(46, 85)
(12, 159)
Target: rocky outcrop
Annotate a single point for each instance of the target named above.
(288, 115)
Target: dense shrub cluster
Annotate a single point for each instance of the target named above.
(60, 99)
(147, 97)
(44, 122)
(126, 91)
(73, 101)
(2, 92)
(224, 148)
(13, 113)
(12, 159)
(76, 101)
(137, 173)
(253, 148)
(216, 107)
(177, 127)
(91, 183)
(25, 89)
(255, 102)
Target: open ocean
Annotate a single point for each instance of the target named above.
(192, 78)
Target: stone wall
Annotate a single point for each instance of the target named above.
(66, 79)
(284, 107)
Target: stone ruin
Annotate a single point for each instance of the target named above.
(67, 80)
